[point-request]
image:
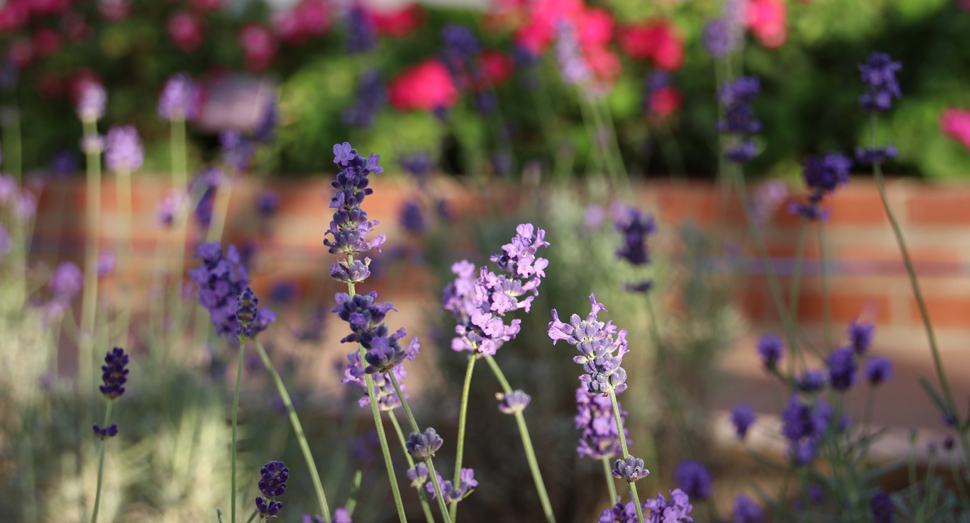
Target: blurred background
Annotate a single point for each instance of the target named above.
(481, 125)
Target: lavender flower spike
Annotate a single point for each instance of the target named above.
(123, 151)
(90, 105)
(599, 438)
(107, 432)
(513, 402)
(349, 227)
(600, 355)
(423, 446)
(180, 99)
(272, 484)
(630, 469)
(114, 374)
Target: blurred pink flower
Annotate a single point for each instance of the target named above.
(426, 86)
(497, 67)
(48, 7)
(307, 19)
(657, 40)
(206, 6)
(955, 123)
(665, 102)
(185, 31)
(398, 23)
(767, 20)
(46, 42)
(259, 47)
(13, 16)
(20, 52)
(595, 27)
(114, 10)
(75, 26)
(964, 4)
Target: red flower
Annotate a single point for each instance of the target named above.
(399, 23)
(539, 31)
(259, 47)
(767, 21)
(307, 19)
(595, 27)
(426, 86)
(497, 67)
(665, 102)
(185, 31)
(48, 7)
(955, 123)
(20, 52)
(655, 40)
(604, 63)
(13, 16)
(46, 42)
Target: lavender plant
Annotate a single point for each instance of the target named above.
(114, 376)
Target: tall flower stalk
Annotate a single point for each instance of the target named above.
(123, 155)
(114, 375)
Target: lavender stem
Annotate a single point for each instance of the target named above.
(608, 474)
(235, 415)
(462, 413)
(626, 454)
(400, 436)
(104, 443)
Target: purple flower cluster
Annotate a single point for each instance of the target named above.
(237, 149)
(600, 355)
(181, 98)
(694, 479)
(171, 207)
(630, 469)
(91, 102)
(479, 305)
(460, 47)
(272, 484)
(736, 97)
(874, 155)
(879, 75)
(513, 402)
(66, 281)
(341, 515)
(387, 399)
(423, 446)
(572, 67)
(350, 226)
(107, 432)
(803, 425)
(879, 369)
(123, 151)
(635, 227)
(771, 349)
(451, 492)
(114, 373)
(823, 175)
(246, 313)
(594, 417)
(722, 36)
(420, 165)
(742, 417)
(370, 97)
(860, 336)
(267, 203)
(745, 510)
(219, 281)
(361, 35)
(842, 368)
(412, 218)
(881, 506)
(658, 510)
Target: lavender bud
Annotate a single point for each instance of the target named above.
(273, 478)
(418, 475)
(180, 99)
(123, 150)
(772, 350)
(881, 506)
(423, 446)
(513, 402)
(108, 432)
(114, 374)
(355, 272)
(90, 105)
(268, 509)
(629, 469)
(742, 417)
(879, 369)
(842, 368)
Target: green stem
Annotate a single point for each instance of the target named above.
(914, 282)
(400, 436)
(180, 183)
(668, 385)
(610, 126)
(251, 516)
(530, 454)
(626, 453)
(608, 474)
(379, 425)
(235, 415)
(89, 300)
(123, 194)
(462, 414)
(826, 295)
(298, 429)
(432, 474)
(104, 443)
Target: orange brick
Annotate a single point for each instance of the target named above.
(949, 311)
(856, 206)
(845, 306)
(939, 207)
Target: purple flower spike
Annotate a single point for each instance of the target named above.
(237, 150)
(123, 151)
(423, 446)
(879, 75)
(860, 336)
(273, 476)
(219, 281)
(66, 281)
(361, 35)
(387, 399)
(635, 228)
(355, 272)
(694, 479)
(676, 510)
(114, 374)
(369, 100)
(513, 402)
(90, 105)
(104, 433)
(811, 381)
(180, 99)
(742, 417)
(739, 121)
(246, 312)
(267, 203)
(455, 493)
(747, 511)
(630, 469)
(842, 368)
(772, 349)
(803, 426)
(600, 355)
(870, 156)
(594, 418)
(879, 369)
(881, 506)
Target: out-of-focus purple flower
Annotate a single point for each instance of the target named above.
(171, 206)
(479, 305)
(265, 131)
(205, 185)
(513, 402)
(4, 241)
(772, 350)
(114, 373)
(418, 475)
(8, 188)
(420, 165)
(66, 281)
(91, 102)
(742, 417)
(746, 510)
(246, 312)
(860, 336)
(572, 67)
(881, 506)
(600, 355)
(721, 37)
(803, 425)
(593, 216)
(460, 47)
(502, 162)
(64, 162)
(823, 175)
(816, 494)
(842, 368)
(237, 150)
(879, 369)
(766, 199)
(949, 442)
(676, 510)
(181, 98)
(879, 75)
(812, 380)
(283, 292)
(594, 418)
(342, 515)
(25, 206)
(412, 219)
(267, 203)
(219, 280)
(371, 95)
(874, 155)
(123, 151)
(694, 479)
(107, 432)
(455, 493)
(736, 97)
(635, 227)
(742, 152)
(361, 35)
(107, 263)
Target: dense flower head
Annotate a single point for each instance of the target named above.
(694, 479)
(123, 150)
(772, 350)
(219, 281)
(91, 101)
(246, 313)
(106, 432)
(454, 493)
(181, 98)
(114, 373)
(418, 474)
(721, 36)
(600, 355)
(412, 218)
(745, 510)
(881, 506)
(630, 469)
(879, 369)
(599, 438)
(874, 155)
(860, 336)
(479, 305)
(387, 399)
(676, 510)
(237, 149)
(371, 96)
(742, 417)
(812, 380)
(346, 272)
(736, 97)
(635, 226)
(273, 476)
(423, 446)
(842, 368)
(366, 319)
(879, 75)
(350, 225)
(513, 402)
(803, 424)
(361, 35)
(66, 280)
